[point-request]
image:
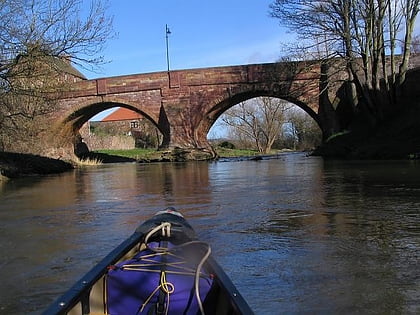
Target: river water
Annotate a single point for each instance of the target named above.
(296, 234)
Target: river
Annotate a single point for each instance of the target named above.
(296, 234)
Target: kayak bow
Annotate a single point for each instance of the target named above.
(162, 268)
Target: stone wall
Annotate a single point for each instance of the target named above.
(122, 142)
(106, 141)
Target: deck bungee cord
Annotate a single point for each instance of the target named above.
(166, 261)
(165, 286)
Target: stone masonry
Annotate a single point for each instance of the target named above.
(184, 104)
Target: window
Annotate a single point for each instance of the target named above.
(134, 124)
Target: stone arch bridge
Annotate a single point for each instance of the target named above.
(184, 104)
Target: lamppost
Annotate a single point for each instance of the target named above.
(167, 32)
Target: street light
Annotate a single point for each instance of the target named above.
(167, 32)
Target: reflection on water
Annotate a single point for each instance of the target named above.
(295, 234)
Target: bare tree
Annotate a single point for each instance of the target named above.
(361, 32)
(260, 120)
(304, 131)
(415, 44)
(39, 39)
(58, 27)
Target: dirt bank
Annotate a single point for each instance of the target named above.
(397, 137)
(14, 165)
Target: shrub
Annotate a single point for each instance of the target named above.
(227, 145)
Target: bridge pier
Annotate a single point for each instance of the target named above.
(194, 144)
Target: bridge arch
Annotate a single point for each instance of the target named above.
(73, 121)
(216, 108)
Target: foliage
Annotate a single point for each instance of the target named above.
(227, 145)
(87, 161)
(338, 134)
(363, 33)
(225, 152)
(149, 154)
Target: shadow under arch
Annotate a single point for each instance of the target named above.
(215, 110)
(72, 124)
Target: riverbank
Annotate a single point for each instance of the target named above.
(13, 165)
(152, 155)
(396, 138)
(179, 155)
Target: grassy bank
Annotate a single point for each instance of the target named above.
(152, 154)
(224, 152)
(14, 165)
(136, 154)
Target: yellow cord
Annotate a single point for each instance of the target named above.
(148, 299)
(166, 287)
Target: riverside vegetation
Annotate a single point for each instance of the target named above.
(14, 165)
(375, 119)
(147, 155)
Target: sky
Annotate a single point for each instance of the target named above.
(203, 34)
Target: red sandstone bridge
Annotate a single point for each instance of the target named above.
(184, 104)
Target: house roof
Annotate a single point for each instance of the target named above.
(64, 65)
(60, 64)
(122, 114)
